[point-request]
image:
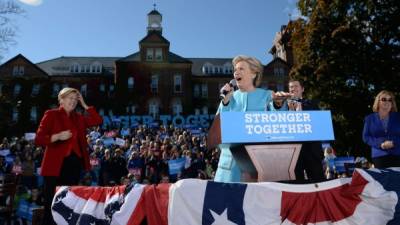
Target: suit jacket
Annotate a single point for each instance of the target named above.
(55, 121)
(374, 134)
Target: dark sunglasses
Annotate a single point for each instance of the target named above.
(386, 99)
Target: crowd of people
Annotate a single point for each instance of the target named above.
(143, 158)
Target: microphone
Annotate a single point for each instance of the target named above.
(223, 93)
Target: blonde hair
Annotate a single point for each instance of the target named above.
(254, 64)
(65, 92)
(375, 107)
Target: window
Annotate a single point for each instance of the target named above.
(149, 54)
(159, 54)
(154, 83)
(102, 87)
(281, 71)
(74, 68)
(87, 69)
(205, 110)
(276, 71)
(21, 70)
(95, 67)
(17, 89)
(35, 89)
(15, 71)
(204, 70)
(131, 82)
(111, 87)
(280, 87)
(33, 114)
(178, 83)
(227, 68)
(110, 112)
(197, 111)
(207, 68)
(130, 108)
(15, 114)
(84, 90)
(153, 108)
(56, 89)
(196, 91)
(204, 90)
(177, 107)
(101, 112)
(18, 70)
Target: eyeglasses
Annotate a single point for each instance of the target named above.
(386, 99)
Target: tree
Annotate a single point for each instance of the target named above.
(8, 10)
(346, 52)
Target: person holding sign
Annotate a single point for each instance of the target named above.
(382, 131)
(247, 77)
(62, 132)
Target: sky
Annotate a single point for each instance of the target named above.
(194, 28)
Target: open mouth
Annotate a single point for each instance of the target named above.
(238, 79)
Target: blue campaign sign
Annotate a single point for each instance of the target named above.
(176, 165)
(340, 163)
(277, 126)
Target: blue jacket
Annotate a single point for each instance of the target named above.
(257, 100)
(374, 134)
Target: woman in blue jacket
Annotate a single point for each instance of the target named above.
(382, 131)
(248, 76)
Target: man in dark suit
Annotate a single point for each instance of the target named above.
(311, 154)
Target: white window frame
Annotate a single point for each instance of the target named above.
(35, 89)
(56, 89)
(15, 114)
(150, 54)
(178, 83)
(204, 110)
(154, 83)
(33, 114)
(131, 83)
(102, 87)
(204, 90)
(196, 91)
(154, 108)
(158, 54)
(17, 89)
(84, 90)
(177, 107)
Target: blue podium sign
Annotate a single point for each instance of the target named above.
(279, 126)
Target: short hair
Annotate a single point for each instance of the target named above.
(66, 91)
(298, 80)
(375, 107)
(254, 64)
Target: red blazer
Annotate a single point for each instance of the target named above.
(55, 121)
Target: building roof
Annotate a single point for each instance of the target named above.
(154, 37)
(198, 64)
(154, 12)
(172, 58)
(24, 58)
(275, 60)
(61, 66)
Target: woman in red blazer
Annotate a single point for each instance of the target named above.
(62, 132)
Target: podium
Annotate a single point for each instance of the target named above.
(266, 145)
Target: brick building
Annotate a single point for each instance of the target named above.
(153, 81)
